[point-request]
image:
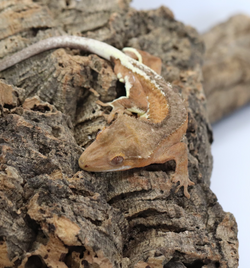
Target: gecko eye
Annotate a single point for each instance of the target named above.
(117, 160)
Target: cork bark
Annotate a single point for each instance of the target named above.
(226, 66)
(53, 214)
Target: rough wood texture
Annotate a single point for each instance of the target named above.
(226, 67)
(55, 215)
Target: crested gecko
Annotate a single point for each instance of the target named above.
(146, 126)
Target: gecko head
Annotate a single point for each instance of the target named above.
(114, 149)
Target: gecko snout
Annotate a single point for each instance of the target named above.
(90, 162)
(82, 163)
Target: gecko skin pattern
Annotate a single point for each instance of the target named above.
(146, 126)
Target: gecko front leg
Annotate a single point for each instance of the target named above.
(117, 109)
(178, 153)
(135, 101)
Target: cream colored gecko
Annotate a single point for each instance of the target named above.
(146, 126)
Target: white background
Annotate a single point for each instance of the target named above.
(231, 148)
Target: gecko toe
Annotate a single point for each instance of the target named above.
(185, 182)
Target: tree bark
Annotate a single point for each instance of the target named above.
(55, 215)
(226, 66)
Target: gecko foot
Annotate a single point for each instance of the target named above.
(185, 182)
(108, 117)
(117, 109)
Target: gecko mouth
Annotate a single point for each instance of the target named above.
(119, 168)
(96, 168)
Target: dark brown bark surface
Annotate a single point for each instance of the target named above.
(55, 215)
(226, 66)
